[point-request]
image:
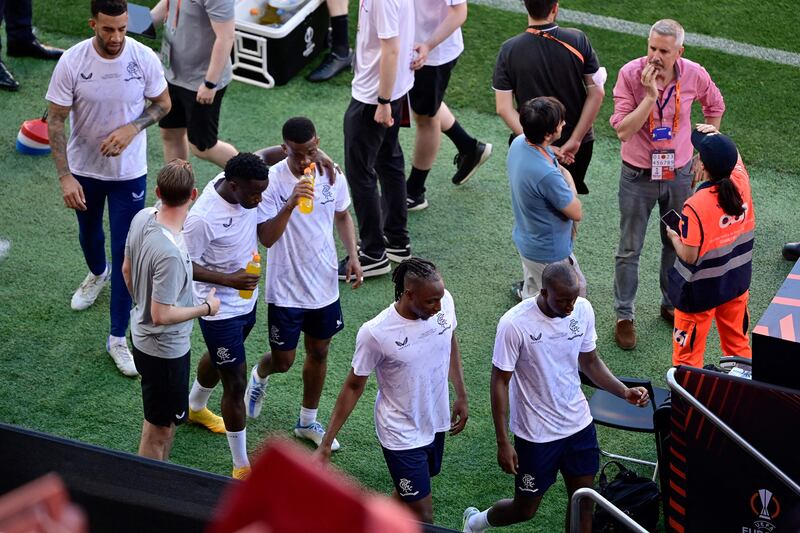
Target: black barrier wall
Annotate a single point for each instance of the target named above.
(714, 485)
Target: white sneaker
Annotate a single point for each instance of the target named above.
(88, 291)
(122, 358)
(254, 395)
(314, 433)
(469, 512)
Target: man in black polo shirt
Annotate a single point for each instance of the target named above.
(547, 60)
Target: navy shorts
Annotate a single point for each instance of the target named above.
(539, 462)
(412, 470)
(430, 83)
(225, 338)
(165, 387)
(286, 323)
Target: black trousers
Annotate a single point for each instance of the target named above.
(578, 168)
(18, 16)
(372, 155)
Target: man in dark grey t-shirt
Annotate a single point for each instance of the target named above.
(158, 274)
(196, 49)
(547, 60)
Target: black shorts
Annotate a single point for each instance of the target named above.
(430, 83)
(200, 120)
(165, 387)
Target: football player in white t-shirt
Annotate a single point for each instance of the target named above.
(220, 235)
(541, 345)
(438, 45)
(103, 84)
(411, 346)
(302, 286)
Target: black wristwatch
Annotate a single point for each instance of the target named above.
(383, 101)
(209, 85)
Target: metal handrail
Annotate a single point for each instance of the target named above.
(616, 512)
(735, 437)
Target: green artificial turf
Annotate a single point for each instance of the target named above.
(770, 24)
(57, 378)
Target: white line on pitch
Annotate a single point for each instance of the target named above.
(727, 46)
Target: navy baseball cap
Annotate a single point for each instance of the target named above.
(717, 152)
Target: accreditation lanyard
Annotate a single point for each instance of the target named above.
(543, 152)
(676, 90)
(177, 15)
(546, 35)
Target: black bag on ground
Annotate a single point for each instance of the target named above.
(635, 495)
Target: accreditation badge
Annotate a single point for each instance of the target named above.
(662, 166)
(166, 47)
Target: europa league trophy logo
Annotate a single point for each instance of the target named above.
(766, 507)
(765, 496)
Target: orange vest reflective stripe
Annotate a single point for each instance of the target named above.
(724, 263)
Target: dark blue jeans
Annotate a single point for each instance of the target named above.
(125, 199)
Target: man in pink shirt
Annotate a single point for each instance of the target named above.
(653, 100)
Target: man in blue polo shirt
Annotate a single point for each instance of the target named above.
(543, 196)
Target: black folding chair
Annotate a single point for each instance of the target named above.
(614, 412)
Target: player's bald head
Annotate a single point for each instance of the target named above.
(559, 277)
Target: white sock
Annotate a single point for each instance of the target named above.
(257, 377)
(479, 521)
(113, 341)
(307, 416)
(237, 440)
(198, 397)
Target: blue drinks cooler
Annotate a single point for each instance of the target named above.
(269, 55)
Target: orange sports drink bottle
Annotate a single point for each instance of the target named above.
(253, 267)
(307, 204)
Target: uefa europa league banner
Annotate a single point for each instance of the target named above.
(716, 486)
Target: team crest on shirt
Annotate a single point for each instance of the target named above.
(327, 194)
(442, 321)
(406, 488)
(528, 484)
(679, 336)
(134, 72)
(575, 328)
(535, 339)
(224, 355)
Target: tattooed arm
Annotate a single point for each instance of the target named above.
(120, 138)
(71, 190)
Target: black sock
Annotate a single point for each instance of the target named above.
(415, 186)
(339, 37)
(463, 141)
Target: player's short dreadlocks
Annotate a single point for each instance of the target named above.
(412, 268)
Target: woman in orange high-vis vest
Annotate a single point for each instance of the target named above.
(711, 276)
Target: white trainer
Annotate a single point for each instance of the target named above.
(254, 394)
(122, 358)
(313, 432)
(469, 512)
(88, 291)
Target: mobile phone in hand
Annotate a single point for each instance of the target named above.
(672, 220)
